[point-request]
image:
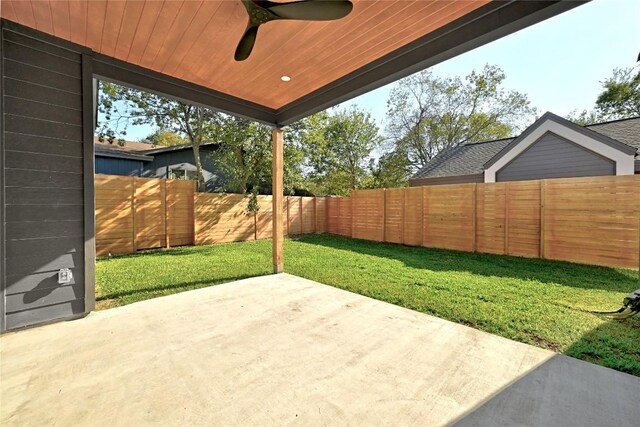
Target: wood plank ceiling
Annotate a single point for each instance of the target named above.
(195, 40)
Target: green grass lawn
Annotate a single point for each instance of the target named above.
(533, 301)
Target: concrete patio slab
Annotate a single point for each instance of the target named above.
(280, 350)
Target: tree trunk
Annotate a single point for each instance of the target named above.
(196, 157)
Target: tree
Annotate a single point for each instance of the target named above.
(338, 148)
(244, 156)
(122, 106)
(165, 138)
(392, 170)
(620, 97)
(427, 114)
(584, 117)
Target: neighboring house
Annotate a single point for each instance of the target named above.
(152, 161)
(552, 147)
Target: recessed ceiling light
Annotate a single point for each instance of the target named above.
(285, 78)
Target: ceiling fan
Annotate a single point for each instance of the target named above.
(262, 11)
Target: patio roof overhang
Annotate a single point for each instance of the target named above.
(52, 52)
(184, 49)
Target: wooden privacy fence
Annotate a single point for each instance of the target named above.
(224, 218)
(145, 213)
(142, 213)
(586, 220)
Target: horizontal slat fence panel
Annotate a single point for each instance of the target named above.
(114, 214)
(308, 215)
(150, 214)
(222, 219)
(180, 213)
(413, 216)
(339, 215)
(491, 218)
(264, 225)
(321, 214)
(523, 213)
(449, 217)
(146, 213)
(586, 220)
(294, 215)
(592, 220)
(394, 215)
(368, 214)
(332, 215)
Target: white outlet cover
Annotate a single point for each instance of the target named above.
(64, 276)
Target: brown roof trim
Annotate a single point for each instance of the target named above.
(122, 155)
(446, 180)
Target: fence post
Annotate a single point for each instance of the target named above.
(474, 220)
(193, 218)
(424, 214)
(543, 187)
(326, 214)
(384, 214)
(506, 218)
(133, 214)
(301, 207)
(352, 202)
(315, 215)
(402, 212)
(166, 216)
(288, 221)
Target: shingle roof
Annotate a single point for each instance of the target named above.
(464, 159)
(469, 159)
(137, 148)
(626, 130)
(129, 147)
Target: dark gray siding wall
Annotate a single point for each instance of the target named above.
(555, 157)
(114, 166)
(42, 149)
(458, 179)
(162, 162)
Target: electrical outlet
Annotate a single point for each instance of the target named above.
(64, 276)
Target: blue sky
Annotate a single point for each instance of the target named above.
(558, 63)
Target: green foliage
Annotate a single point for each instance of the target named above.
(392, 170)
(166, 138)
(585, 118)
(428, 114)
(253, 205)
(122, 106)
(331, 152)
(339, 148)
(620, 97)
(244, 157)
(535, 301)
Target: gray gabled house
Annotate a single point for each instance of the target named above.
(151, 161)
(552, 147)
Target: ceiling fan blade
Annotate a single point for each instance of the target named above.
(246, 43)
(309, 10)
